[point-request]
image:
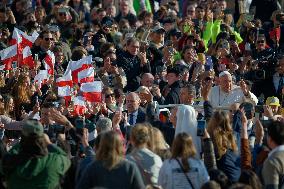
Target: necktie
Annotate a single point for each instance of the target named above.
(280, 86)
(131, 119)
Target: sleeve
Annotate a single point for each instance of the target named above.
(207, 34)
(204, 177)
(85, 181)
(271, 173)
(208, 110)
(215, 30)
(251, 98)
(209, 155)
(239, 39)
(11, 124)
(137, 180)
(164, 178)
(245, 154)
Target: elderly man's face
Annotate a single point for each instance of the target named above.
(132, 102)
(226, 83)
(147, 80)
(185, 96)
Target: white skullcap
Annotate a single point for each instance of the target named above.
(223, 73)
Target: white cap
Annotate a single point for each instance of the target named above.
(223, 73)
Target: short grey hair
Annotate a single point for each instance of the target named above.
(104, 124)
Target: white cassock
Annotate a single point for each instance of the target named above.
(219, 98)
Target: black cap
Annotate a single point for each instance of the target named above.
(175, 32)
(107, 21)
(173, 69)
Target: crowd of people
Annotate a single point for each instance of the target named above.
(187, 94)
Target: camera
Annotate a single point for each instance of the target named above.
(58, 129)
(264, 68)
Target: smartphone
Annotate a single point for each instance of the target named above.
(248, 108)
(259, 109)
(79, 123)
(201, 125)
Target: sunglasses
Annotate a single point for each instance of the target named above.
(48, 39)
(109, 95)
(261, 41)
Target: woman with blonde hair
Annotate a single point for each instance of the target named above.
(110, 169)
(160, 147)
(226, 152)
(22, 95)
(147, 161)
(183, 170)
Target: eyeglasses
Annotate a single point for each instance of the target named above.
(48, 39)
(260, 41)
(109, 95)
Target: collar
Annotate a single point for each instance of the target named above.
(277, 149)
(135, 113)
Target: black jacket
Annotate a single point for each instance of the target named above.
(131, 66)
(173, 95)
(126, 130)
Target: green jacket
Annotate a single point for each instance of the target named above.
(212, 30)
(136, 5)
(40, 173)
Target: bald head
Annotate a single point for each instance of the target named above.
(147, 80)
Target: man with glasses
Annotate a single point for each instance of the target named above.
(46, 42)
(104, 33)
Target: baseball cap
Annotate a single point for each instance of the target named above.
(272, 101)
(32, 127)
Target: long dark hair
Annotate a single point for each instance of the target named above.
(183, 148)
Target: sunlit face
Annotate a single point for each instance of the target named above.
(226, 83)
(110, 97)
(124, 8)
(274, 109)
(147, 81)
(11, 105)
(185, 97)
(133, 48)
(132, 102)
(260, 43)
(47, 41)
(172, 77)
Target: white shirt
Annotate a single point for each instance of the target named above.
(219, 98)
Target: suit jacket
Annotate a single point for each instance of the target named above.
(126, 130)
(173, 96)
(267, 88)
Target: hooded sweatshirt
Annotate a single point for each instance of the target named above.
(42, 172)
